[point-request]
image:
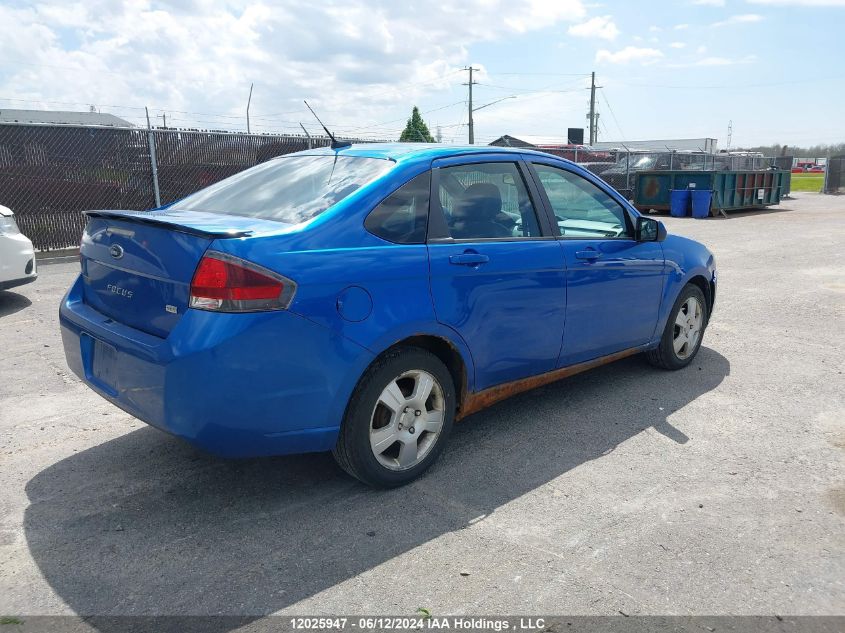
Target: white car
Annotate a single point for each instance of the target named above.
(17, 257)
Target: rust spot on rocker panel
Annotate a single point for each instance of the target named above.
(475, 402)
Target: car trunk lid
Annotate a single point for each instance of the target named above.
(137, 266)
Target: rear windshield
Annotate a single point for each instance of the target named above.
(290, 190)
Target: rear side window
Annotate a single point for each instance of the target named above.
(289, 189)
(402, 217)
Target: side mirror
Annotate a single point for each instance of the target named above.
(650, 230)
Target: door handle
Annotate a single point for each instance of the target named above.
(468, 259)
(590, 255)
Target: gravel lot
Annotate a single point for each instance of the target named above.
(719, 489)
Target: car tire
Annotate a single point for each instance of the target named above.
(684, 331)
(391, 403)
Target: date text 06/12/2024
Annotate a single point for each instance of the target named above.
(415, 623)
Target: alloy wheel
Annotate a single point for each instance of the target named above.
(688, 325)
(407, 420)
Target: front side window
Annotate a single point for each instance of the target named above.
(402, 217)
(289, 189)
(580, 207)
(486, 201)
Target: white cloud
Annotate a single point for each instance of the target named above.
(356, 62)
(724, 61)
(746, 18)
(681, 27)
(629, 54)
(599, 26)
(528, 15)
(710, 3)
(801, 3)
(716, 61)
(677, 45)
(654, 29)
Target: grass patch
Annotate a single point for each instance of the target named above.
(807, 182)
(8, 619)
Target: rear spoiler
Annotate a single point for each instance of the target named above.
(214, 227)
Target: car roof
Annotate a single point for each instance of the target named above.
(401, 152)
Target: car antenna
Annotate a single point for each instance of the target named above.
(335, 143)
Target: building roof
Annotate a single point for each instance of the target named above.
(530, 140)
(62, 118)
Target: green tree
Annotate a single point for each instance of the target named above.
(416, 131)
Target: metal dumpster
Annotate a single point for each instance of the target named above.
(731, 189)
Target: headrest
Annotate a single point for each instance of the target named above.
(480, 201)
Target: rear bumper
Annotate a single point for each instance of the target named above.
(17, 261)
(238, 385)
(14, 283)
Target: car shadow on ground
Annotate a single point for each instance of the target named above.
(144, 524)
(11, 302)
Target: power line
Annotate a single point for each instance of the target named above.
(157, 108)
(615, 120)
(543, 74)
(603, 126)
(821, 82)
(141, 109)
(524, 90)
(550, 88)
(383, 123)
(397, 87)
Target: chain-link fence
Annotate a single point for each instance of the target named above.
(188, 161)
(618, 168)
(834, 176)
(50, 174)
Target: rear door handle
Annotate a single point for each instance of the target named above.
(468, 259)
(590, 255)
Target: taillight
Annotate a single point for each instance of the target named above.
(229, 284)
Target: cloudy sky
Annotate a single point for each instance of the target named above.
(667, 69)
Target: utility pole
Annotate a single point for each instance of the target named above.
(248, 101)
(593, 107)
(471, 125)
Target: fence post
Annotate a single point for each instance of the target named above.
(627, 169)
(153, 162)
(306, 134)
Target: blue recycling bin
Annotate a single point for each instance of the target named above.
(701, 203)
(679, 203)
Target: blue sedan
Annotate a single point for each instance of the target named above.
(361, 299)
